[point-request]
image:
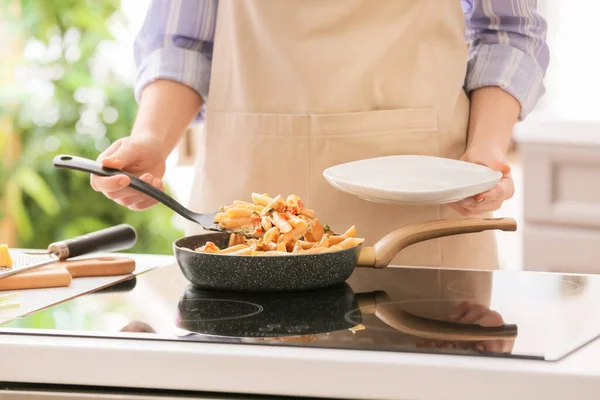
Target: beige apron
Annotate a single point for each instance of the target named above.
(298, 86)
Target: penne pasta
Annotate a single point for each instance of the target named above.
(335, 240)
(351, 232)
(265, 223)
(271, 235)
(316, 233)
(281, 223)
(308, 213)
(244, 204)
(239, 212)
(270, 247)
(350, 242)
(306, 245)
(220, 216)
(334, 248)
(233, 223)
(209, 247)
(279, 226)
(282, 247)
(277, 204)
(297, 247)
(324, 242)
(315, 250)
(235, 239)
(234, 249)
(261, 199)
(277, 253)
(294, 201)
(241, 252)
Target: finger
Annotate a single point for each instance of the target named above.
(482, 207)
(460, 209)
(497, 164)
(504, 190)
(130, 196)
(128, 201)
(109, 184)
(143, 205)
(110, 150)
(504, 168)
(141, 201)
(460, 310)
(493, 199)
(158, 183)
(492, 346)
(491, 319)
(122, 157)
(468, 203)
(474, 314)
(127, 193)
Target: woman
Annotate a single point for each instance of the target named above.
(297, 86)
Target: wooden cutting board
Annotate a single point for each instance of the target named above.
(60, 274)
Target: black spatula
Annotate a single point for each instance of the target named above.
(93, 167)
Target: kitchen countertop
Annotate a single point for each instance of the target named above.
(319, 373)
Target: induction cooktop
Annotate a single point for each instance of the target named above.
(531, 315)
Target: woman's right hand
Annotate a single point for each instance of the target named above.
(141, 155)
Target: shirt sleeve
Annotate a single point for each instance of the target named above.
(507, 48)
(176, 43)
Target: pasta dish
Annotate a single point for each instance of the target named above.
(277, 226)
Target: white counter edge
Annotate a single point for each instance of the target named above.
(319, 373)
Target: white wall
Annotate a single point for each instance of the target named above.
(574, 39)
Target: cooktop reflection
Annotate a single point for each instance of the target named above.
(497, 314)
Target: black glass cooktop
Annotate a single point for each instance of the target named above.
(500, 313)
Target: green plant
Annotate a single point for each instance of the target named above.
(66, 99)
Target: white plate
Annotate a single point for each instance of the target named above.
(418, 180)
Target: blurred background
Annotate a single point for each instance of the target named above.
(66, 87)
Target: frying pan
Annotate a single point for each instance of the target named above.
(287, 272)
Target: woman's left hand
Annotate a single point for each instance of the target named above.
(494, 158)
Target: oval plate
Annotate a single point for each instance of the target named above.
(415, 180)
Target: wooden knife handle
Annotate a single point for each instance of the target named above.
(45, 277)
(390, 245)
(99, 266)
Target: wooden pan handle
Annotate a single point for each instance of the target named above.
(380, 255)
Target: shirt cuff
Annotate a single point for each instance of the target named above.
(509, 68)
(188, 67)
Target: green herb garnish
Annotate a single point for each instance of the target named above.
(254, 212)
(270, 210)
(327, 228)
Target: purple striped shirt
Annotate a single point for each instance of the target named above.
(508, 46)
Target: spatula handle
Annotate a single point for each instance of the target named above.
(120, 237)
(85, 165)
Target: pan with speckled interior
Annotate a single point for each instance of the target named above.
(282, 272)
(296, 272)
